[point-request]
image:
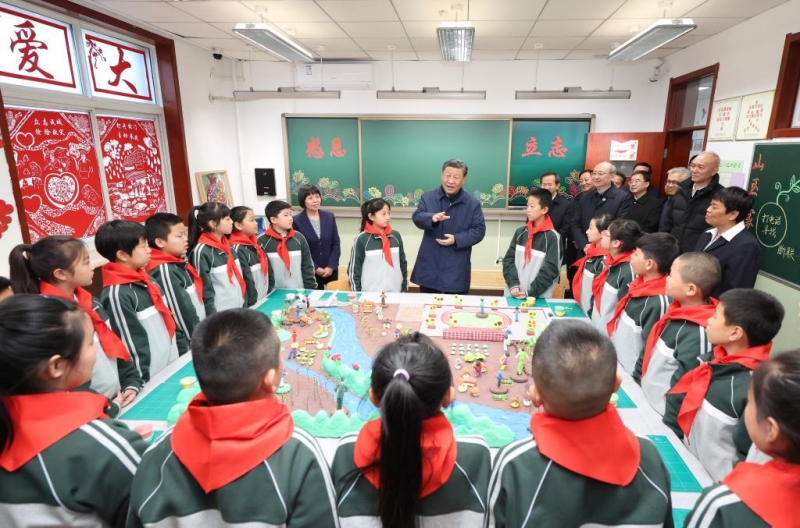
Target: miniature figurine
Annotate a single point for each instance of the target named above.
(293, 350)
(478, 366)
(500, 378)
(383, 299)
(521, 357)
(504, 360)
(340, 390)
(516, 314)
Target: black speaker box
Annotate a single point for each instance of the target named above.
(265, 182)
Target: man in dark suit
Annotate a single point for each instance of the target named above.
(674, 178)
(645, 209)
(559, 206)
(604, 198)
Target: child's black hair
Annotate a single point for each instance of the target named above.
(159, 225)
(550, 173)
(648, 167)
(304, 191)
(232, 350)
(603, 220)
(543, 196)
(274, 208)
(5, 284)
(735, 199)
(626, 231)
(661, 247)
(758, 313)
(201, 215)
(701, 269)
(372, 207)
(34, 328)
(43, 258)
(776, 390)
(404, 405)
(118, 235)
(238, 214)
(574, 369)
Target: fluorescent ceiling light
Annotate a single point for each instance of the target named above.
(660, 33)
(430, 93)
(285, 93)
(455, 40)
(573, 92)
(270, 38)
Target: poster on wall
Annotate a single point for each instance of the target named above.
(732, 173)
(624, 150)
(722, 125)
(58, 173)
(754, 116)
(132, 166)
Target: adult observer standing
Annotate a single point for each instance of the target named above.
(674, 178)
(687, 218)
(452, 221)
(319, 228)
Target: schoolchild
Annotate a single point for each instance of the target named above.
(253, 260)
(6, 289)
(377, 260)
(288, 252)
(591, 264)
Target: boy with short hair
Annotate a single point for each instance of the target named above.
(168, 239)
(532, 263)
(646, 301)
(611, 284)
(288, 251)
(135, 306)
(678, 340)
(580, 448)
(712, 397)
(234, 457)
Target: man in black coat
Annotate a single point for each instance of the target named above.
(645, 209)
(686, 220)
(604, 198)
(674, 178)
(559, 206)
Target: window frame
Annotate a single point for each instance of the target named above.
(787, 92)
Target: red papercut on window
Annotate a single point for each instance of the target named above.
(132, 165)
(28, 47)
(531, 148)
(117, 69)
(557, 149)
(336, 148)
(58, 172)
(314, 148)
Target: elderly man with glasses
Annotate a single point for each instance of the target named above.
(645, 209)
(674, 178)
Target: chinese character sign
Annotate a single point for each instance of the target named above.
(754, 115)
(36, 51)
(58, 172)
(722, 124)
(132, 166)
(117, 69)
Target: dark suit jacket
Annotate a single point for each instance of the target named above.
(687, 217)
(739, 258)
(614, 201)
(647, 212)
(325, 249)
(558, 214)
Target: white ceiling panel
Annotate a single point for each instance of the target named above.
(505, 9)
(294, 11)
(733, 8)
(225, 44)
(421, 29)
(344, 55)
(562, 10)
(429, 56)
(192, 29)
(256, 56)
(342, 44)
(620, 27)
(586, 55)
(553, 43)
(382, 44)
(498, 43)
(359, 10)
(494, 54)
(504, 28)
(313, 30)
(712, 26)
(564, 28)
(417, 10)
(373, 29)
(545, 54)
(398, 55)
(600, 43)
(425, 44)
(150, 11)
(218, 11)
(650, 9)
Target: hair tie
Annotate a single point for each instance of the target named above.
(402, 372)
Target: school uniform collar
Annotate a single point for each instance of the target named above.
(727, 235)
(769, 490)
(219, 443)
(600, 447)
(41, 420)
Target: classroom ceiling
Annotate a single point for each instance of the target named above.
(504, 29)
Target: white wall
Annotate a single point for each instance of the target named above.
(750, 56)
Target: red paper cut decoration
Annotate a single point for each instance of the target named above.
(530, 148)
(132, 165)
(117, 69)
(6, 210)
(58, 173)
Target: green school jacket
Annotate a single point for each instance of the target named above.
(593, 266)
(110, 375)
(540, 276)
(633, 326)
(182, 298)
(719, 507)
(615, 288)
(258, 286)
(368, 270)
(301, 272)
(219, 291)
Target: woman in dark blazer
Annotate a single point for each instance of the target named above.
(319, 228)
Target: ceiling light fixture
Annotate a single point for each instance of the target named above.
(573, 92)
(653, 37)
(430, 93)
(456, 38)
(286, 92)
(273, 40)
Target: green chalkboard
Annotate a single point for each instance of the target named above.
(324, 152)
(402, 158)
(775, 219)
(539, 146)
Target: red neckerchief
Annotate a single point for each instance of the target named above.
(638, 288)
(546, 225)
(594, 251)
(696, 314)
(219, 443)
(384, 234)
(283, 251)
(111, 343)
(222, 244)
(158, 257)
(244, 240)
(575, 445)
(41, 420)
(695, 383)
(114, 274)
(770, 490)
(597, 282)
(439, 451)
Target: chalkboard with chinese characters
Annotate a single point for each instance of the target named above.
(775, 218)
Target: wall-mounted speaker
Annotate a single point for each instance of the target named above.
(265, 182)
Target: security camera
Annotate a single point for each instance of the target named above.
(216, 53)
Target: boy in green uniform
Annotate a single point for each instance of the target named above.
(287, 250)
(581, 452)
